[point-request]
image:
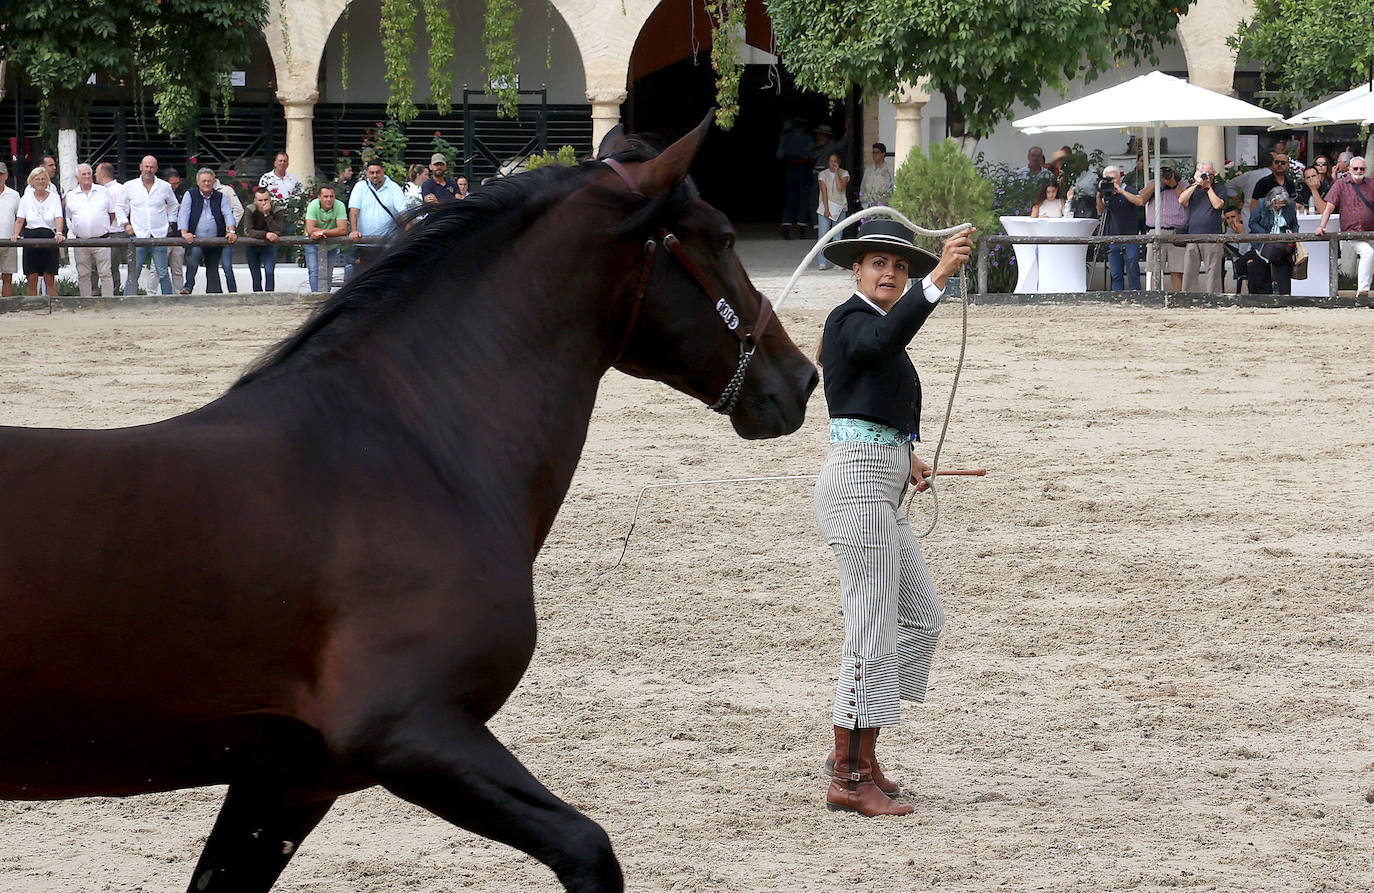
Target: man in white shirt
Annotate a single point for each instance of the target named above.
(151, 207)
(9, 257)
(8, 210)
(105, 176)
(90, 211)
(278, 182)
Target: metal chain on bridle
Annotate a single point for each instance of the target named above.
(835, 232)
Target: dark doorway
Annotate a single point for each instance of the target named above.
(737, 169)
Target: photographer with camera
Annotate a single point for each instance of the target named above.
(1172, 217)
(1116, 205)
(1203, 198)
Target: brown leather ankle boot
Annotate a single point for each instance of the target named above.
(852, 787)
(885, 784)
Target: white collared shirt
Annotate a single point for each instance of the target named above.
(932, 294)
(89, 212)
(150, 210)
(119, 204)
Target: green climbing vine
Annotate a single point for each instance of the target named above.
(498, 38)
(285, 30)
(727, 19)
(398, 24)
(343, 46)
(439, 26)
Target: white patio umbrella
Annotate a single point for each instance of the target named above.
(1354, 106)
(1152, 101)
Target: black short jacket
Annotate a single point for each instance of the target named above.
(868, 374)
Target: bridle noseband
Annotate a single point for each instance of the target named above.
(748, 338)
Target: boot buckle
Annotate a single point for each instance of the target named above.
(855, 776)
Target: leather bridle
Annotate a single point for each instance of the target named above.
(748, 337)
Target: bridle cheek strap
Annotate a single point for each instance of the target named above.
(646, 267)
(748, 338)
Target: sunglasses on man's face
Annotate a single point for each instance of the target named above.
(1277, 163)
(1353, 168)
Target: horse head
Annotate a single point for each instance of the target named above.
(694, 320)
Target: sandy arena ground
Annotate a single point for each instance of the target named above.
(1156, 671)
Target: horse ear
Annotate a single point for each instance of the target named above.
(658, 175)
(614, 141)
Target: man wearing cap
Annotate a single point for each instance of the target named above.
(438, 188)
(9, 207)
(892, 615)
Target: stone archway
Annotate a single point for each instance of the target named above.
(604, 35)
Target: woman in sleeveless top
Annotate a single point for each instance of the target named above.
(1047, 201)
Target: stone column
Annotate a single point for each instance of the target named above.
(1211, 62)
(908, 104)
(605, 110)
(300, 133)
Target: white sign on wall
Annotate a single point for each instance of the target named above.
(1247, 149)
(238, 79)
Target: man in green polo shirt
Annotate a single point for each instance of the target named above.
(325, 218)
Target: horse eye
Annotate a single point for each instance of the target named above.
(727, 242)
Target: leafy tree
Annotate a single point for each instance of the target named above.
(983, 56)
(1301, 47)
(178, 51)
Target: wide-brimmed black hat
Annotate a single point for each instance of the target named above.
(886, 235)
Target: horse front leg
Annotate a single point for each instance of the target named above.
(259, 829)
(454, 767)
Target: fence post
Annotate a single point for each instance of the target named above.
(981, 287)
(1158, 258)
(1333, 271)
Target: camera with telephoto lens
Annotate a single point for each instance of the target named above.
(1106, 188)
(1204, 176)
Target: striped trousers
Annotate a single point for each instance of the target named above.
(892, 616)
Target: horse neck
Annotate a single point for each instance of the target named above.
(503, 378)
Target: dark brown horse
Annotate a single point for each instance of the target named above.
(322, 580)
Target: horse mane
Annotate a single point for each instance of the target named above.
(473, 230)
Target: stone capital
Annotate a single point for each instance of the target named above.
(297, 98)
(912, 94)
(606, 95)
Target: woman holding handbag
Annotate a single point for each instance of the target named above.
(1276, 215)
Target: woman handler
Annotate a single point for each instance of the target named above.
(892, 617)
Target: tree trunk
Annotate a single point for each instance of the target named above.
(954, 114)
(66, 157)
(956, 124)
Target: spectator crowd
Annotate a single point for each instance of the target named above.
(206, 215)
(1267, 200)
